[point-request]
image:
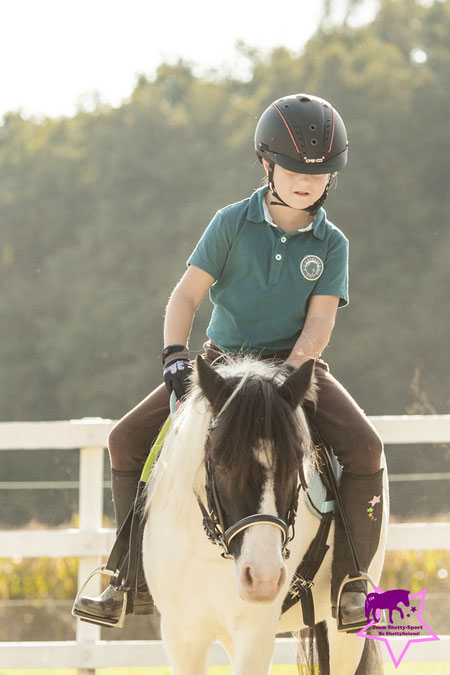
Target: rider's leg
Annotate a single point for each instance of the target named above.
(364, 513)
(359, 448)
(129, 443)
(108, 605)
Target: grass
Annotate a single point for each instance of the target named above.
(405, 668)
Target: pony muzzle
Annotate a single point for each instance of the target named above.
(260, 569)
(259, 584)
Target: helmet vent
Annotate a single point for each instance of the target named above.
(312, 127)
(327, 133)
(313, 141)
(298, 135)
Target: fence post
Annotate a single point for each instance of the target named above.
(90, 509)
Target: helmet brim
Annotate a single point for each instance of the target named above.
(298, 166)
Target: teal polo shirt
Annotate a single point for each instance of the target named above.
(264, 277)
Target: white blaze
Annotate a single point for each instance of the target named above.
(260, 570)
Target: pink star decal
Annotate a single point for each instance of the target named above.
(375, 500)
(399, 645)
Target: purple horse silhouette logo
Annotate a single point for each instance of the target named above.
(387, 600)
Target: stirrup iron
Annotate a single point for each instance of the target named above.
(112, 622)
(353, 627)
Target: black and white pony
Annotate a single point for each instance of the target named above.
(243, 435)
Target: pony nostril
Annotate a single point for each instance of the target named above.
(247, 576)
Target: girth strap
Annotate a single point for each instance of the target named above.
(303, 579)
(304, 576)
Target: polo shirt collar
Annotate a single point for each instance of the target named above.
(255, 213)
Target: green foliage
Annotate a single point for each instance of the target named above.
(415, 570)
(38, 578)
(99, 213)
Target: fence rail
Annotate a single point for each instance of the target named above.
(90, 542)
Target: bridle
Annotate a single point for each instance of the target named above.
(214, 521)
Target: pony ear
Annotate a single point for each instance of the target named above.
(209, 379)
(296, 386)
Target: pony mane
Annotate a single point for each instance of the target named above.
(250, 412)
(178, 469)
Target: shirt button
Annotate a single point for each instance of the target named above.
(283, 240)
(278, 256)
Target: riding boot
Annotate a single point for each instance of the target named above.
(107, 607)
(362, 501)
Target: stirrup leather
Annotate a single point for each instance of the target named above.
(112, 622)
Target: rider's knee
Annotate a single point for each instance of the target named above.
(117, 446)
(375, 451)
(368, 460)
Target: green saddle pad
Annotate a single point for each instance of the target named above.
(154, 452)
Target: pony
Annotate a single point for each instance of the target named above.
(233, 463)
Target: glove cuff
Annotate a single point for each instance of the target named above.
(174, 353)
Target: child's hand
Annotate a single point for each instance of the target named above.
(176, 375)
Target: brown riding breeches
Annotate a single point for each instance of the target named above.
(337, 417)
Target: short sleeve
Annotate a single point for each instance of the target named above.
(334, 278)
(212, 250)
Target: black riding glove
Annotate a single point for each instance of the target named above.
(177, 374)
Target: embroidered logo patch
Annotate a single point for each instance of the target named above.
(311, 267)
(372, 502)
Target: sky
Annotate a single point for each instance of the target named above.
(55, 54)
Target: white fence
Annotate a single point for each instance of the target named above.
(90, 543)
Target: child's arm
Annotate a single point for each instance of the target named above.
(317, 330)
(183, 304)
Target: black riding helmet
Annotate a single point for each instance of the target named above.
(302, 133)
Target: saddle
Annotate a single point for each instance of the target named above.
(319, 497)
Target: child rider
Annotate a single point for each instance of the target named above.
(276, 270)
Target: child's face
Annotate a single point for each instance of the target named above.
(299, 190)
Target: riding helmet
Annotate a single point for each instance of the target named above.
(302, 133)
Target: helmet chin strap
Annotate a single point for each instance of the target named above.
(312, 210)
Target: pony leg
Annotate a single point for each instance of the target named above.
(187, 656)
(345, 650)
(253, 652)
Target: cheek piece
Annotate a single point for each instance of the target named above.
(312, 210)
